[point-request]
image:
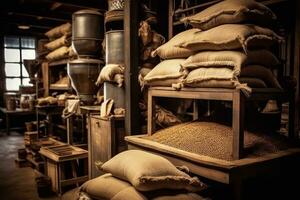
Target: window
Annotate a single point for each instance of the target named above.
(16, 49)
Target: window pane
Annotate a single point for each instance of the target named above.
(24, 71)
(12, 55)
(13, 83)
(26, 82)
(12, 69)
(28, 54)
(11, 42)
(28, 42)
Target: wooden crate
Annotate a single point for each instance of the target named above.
(30, 137)
(57, 158)
(105, 139)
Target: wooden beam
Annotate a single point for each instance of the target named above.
(170, 20)
(13, 19)
(15, 24)
(131, 45)
(238, 109)
(94, 5)
(297, 70)
(37, 15)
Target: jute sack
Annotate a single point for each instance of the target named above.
(251, 82)
(171, 49)
(231, 12)
(262, 73)
(229, 37)
(108, 187)
(166, 73)
(59, 53)
(204, 74)
(108, 73)
(146, 172)
(64, 29)
(234, 60)
(62, 41)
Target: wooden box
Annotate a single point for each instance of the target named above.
(30, 137)
(106, 139)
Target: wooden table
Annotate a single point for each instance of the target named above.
(13, 113)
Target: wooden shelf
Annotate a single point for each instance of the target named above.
(58, 62)
(60, 88)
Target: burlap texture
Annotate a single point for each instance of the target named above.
(231, 12)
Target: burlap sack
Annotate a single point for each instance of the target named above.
(251, 82)
(146, 172)
(108, 72)
(231, 12)
(234, 60)
(205, 74)
(107, 187)
(64, 29)
(165, 70)
(262, 73)
(229, 37)
(172, 50)
(62, 52)
(62, 41)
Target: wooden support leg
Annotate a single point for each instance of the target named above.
(237, 189)
(60, 177)
(90, 155)
(74, 165)
(7, 124)
(238, 124)
(291, 120)
(70, 130)
(151, 113)
(195, 110)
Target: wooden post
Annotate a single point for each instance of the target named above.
(132, 88)
(2, 72)
(70, 130)
(296, 73)
(45, 72)
(237, 124)
(151, 113)
(170, 21)
(195, 109)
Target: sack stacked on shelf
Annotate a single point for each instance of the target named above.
(60, 41)
(227, 46)
(149, 41)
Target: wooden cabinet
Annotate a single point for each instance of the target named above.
(105, 139)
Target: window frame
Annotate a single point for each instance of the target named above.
(20, 63)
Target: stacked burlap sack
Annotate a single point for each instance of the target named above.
(228, 47)
(59, 43)
(138, 175)
(149, 41)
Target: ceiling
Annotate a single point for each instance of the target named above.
(41, 15)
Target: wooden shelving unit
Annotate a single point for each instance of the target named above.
(50, 74)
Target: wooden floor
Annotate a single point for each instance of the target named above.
(16, 183)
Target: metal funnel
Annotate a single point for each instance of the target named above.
(32, 67)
